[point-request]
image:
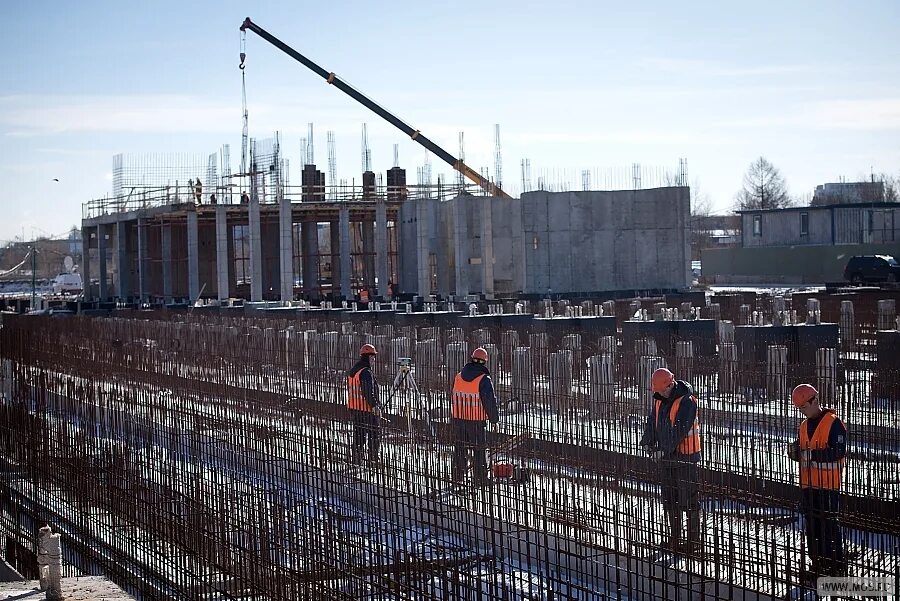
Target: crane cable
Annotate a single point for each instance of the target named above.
(245, 131)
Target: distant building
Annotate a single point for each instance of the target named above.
(848, 192)
(804, 245)
(835, 224)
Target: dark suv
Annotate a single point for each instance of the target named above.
(872, 268)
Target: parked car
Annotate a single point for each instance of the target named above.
(870, 269)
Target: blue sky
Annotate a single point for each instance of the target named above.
(812, 86)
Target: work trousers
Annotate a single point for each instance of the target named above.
(469, 435)
(824, 541)
(365, 429)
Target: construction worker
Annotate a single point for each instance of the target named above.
(820, 450)
(365, 412)
(198, 191)
(672, 437)
(473, 403)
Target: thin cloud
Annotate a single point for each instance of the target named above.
(27, 116)
(870, 114)
(708, 68)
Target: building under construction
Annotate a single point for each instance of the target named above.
(204, 452)
(170, 244)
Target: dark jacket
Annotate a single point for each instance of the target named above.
(485, 388)
(366, 380)
(662, 434)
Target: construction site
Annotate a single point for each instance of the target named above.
(203, 455)
(185, 425)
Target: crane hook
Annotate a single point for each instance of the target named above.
(243, 58)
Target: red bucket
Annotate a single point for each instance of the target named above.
(502, 471)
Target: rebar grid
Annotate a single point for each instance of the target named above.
(208, 457)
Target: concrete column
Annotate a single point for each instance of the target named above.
(424, 241)
(123, 265)
(166, 243)
(193, 257)
(572, 342)
(334, 235)
(256, 283)
(776, 372)
(684, 360)
(522, 375)
(86, 263)
(101, 263)
(381, 248)
(561, 381)
(826, 377)
(487, 248)
(346, 265)
(602, 384)
(728, 367)
(846, 326)
(461, 246)
(222, 252)
(368, 246)
(309, 233)
(286, 249)
(813, 314)
(457, 355)
(142, 262)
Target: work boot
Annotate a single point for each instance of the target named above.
(694, 544)
(673, 543)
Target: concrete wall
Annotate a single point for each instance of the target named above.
(605, 241)
(563, 242)
(785, 264)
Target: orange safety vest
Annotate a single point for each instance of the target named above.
(815, 474)
(690, 444)
(355, 398)
(467, 401)
(363, 296)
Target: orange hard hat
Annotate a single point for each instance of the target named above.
(661, 379)
(480, 354)
(368, 349)
(803, 394)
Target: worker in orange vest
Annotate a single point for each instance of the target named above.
(473, 404)
(820, 450)
(365, 412)
(672, 437)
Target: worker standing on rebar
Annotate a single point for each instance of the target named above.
(672, 437)
(365, 412)
(820, 450)
(473, 404)
(198, 191)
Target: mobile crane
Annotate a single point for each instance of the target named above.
(337, 82)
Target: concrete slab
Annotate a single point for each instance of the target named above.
(87, 588)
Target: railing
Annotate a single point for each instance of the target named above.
(148, 197)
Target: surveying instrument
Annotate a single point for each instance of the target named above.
(411, 401)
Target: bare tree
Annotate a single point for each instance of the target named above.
(764, 188)
(701, 208)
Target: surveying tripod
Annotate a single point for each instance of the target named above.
(405, 381)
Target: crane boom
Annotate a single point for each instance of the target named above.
(415, 134)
